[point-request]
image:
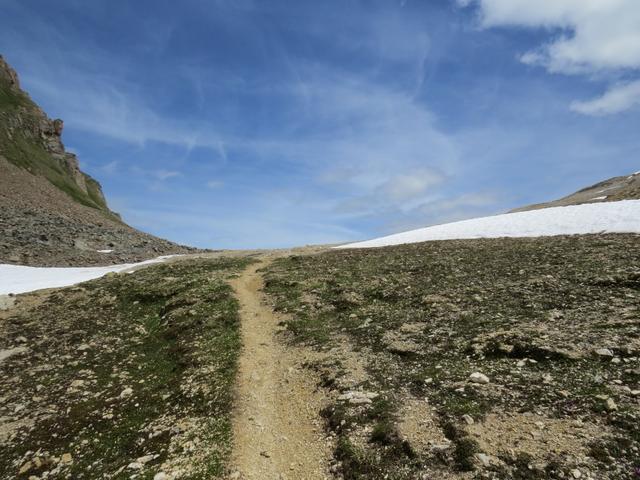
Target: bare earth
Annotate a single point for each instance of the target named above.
(277, 429)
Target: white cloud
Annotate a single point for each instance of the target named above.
(165, 174)
(213, 184)
(617, 99)
(467, 200)
(599, 34)
(365, 134)
(410, 185)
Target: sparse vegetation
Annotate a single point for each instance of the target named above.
(131, 374)
(553, 324)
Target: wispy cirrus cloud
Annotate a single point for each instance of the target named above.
(322, 120)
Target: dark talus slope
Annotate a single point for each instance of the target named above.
(612, 190)
(52, 213)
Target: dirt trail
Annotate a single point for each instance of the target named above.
(277, 429)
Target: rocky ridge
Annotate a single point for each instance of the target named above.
(26, 122)
(626, 187)
(51, 212)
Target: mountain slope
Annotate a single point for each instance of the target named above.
(614, 189)
(52, 213)
(612, 217)
(585, 212)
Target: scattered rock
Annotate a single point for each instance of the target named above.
(610, 405)
(25, 468)
(604, 353)
(6, 302)
(477, 377)
(146, 459)
(357, 397)
(4, 354)
(126, 393)
(484, 459)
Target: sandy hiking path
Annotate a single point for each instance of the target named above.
(277, 427)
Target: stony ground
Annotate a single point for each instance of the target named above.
(41, 226)
(505, 358)
(128, 376)
(479, 359)
(278, 430)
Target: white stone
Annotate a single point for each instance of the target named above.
(127, 392)
(4, 354)
(477, 377)
(604, 352)
(484, 459)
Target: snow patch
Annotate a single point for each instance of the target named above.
(20, 279)
(600, 198)
(104, 251)
(611, 217)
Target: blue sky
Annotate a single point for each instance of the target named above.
(239, 123)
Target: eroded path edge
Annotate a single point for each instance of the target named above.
(278, 432)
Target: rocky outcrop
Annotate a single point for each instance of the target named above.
(9, 75)
(51, 212)
(32, 122)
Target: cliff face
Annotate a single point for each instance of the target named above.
(31, 140)
(52, 213)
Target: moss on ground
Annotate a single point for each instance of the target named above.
(528, 313)
(127, 367)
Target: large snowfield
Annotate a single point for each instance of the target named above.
(611, 217)
(19, 279)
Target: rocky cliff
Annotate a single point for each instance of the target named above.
(31, 140)
(52, 213)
